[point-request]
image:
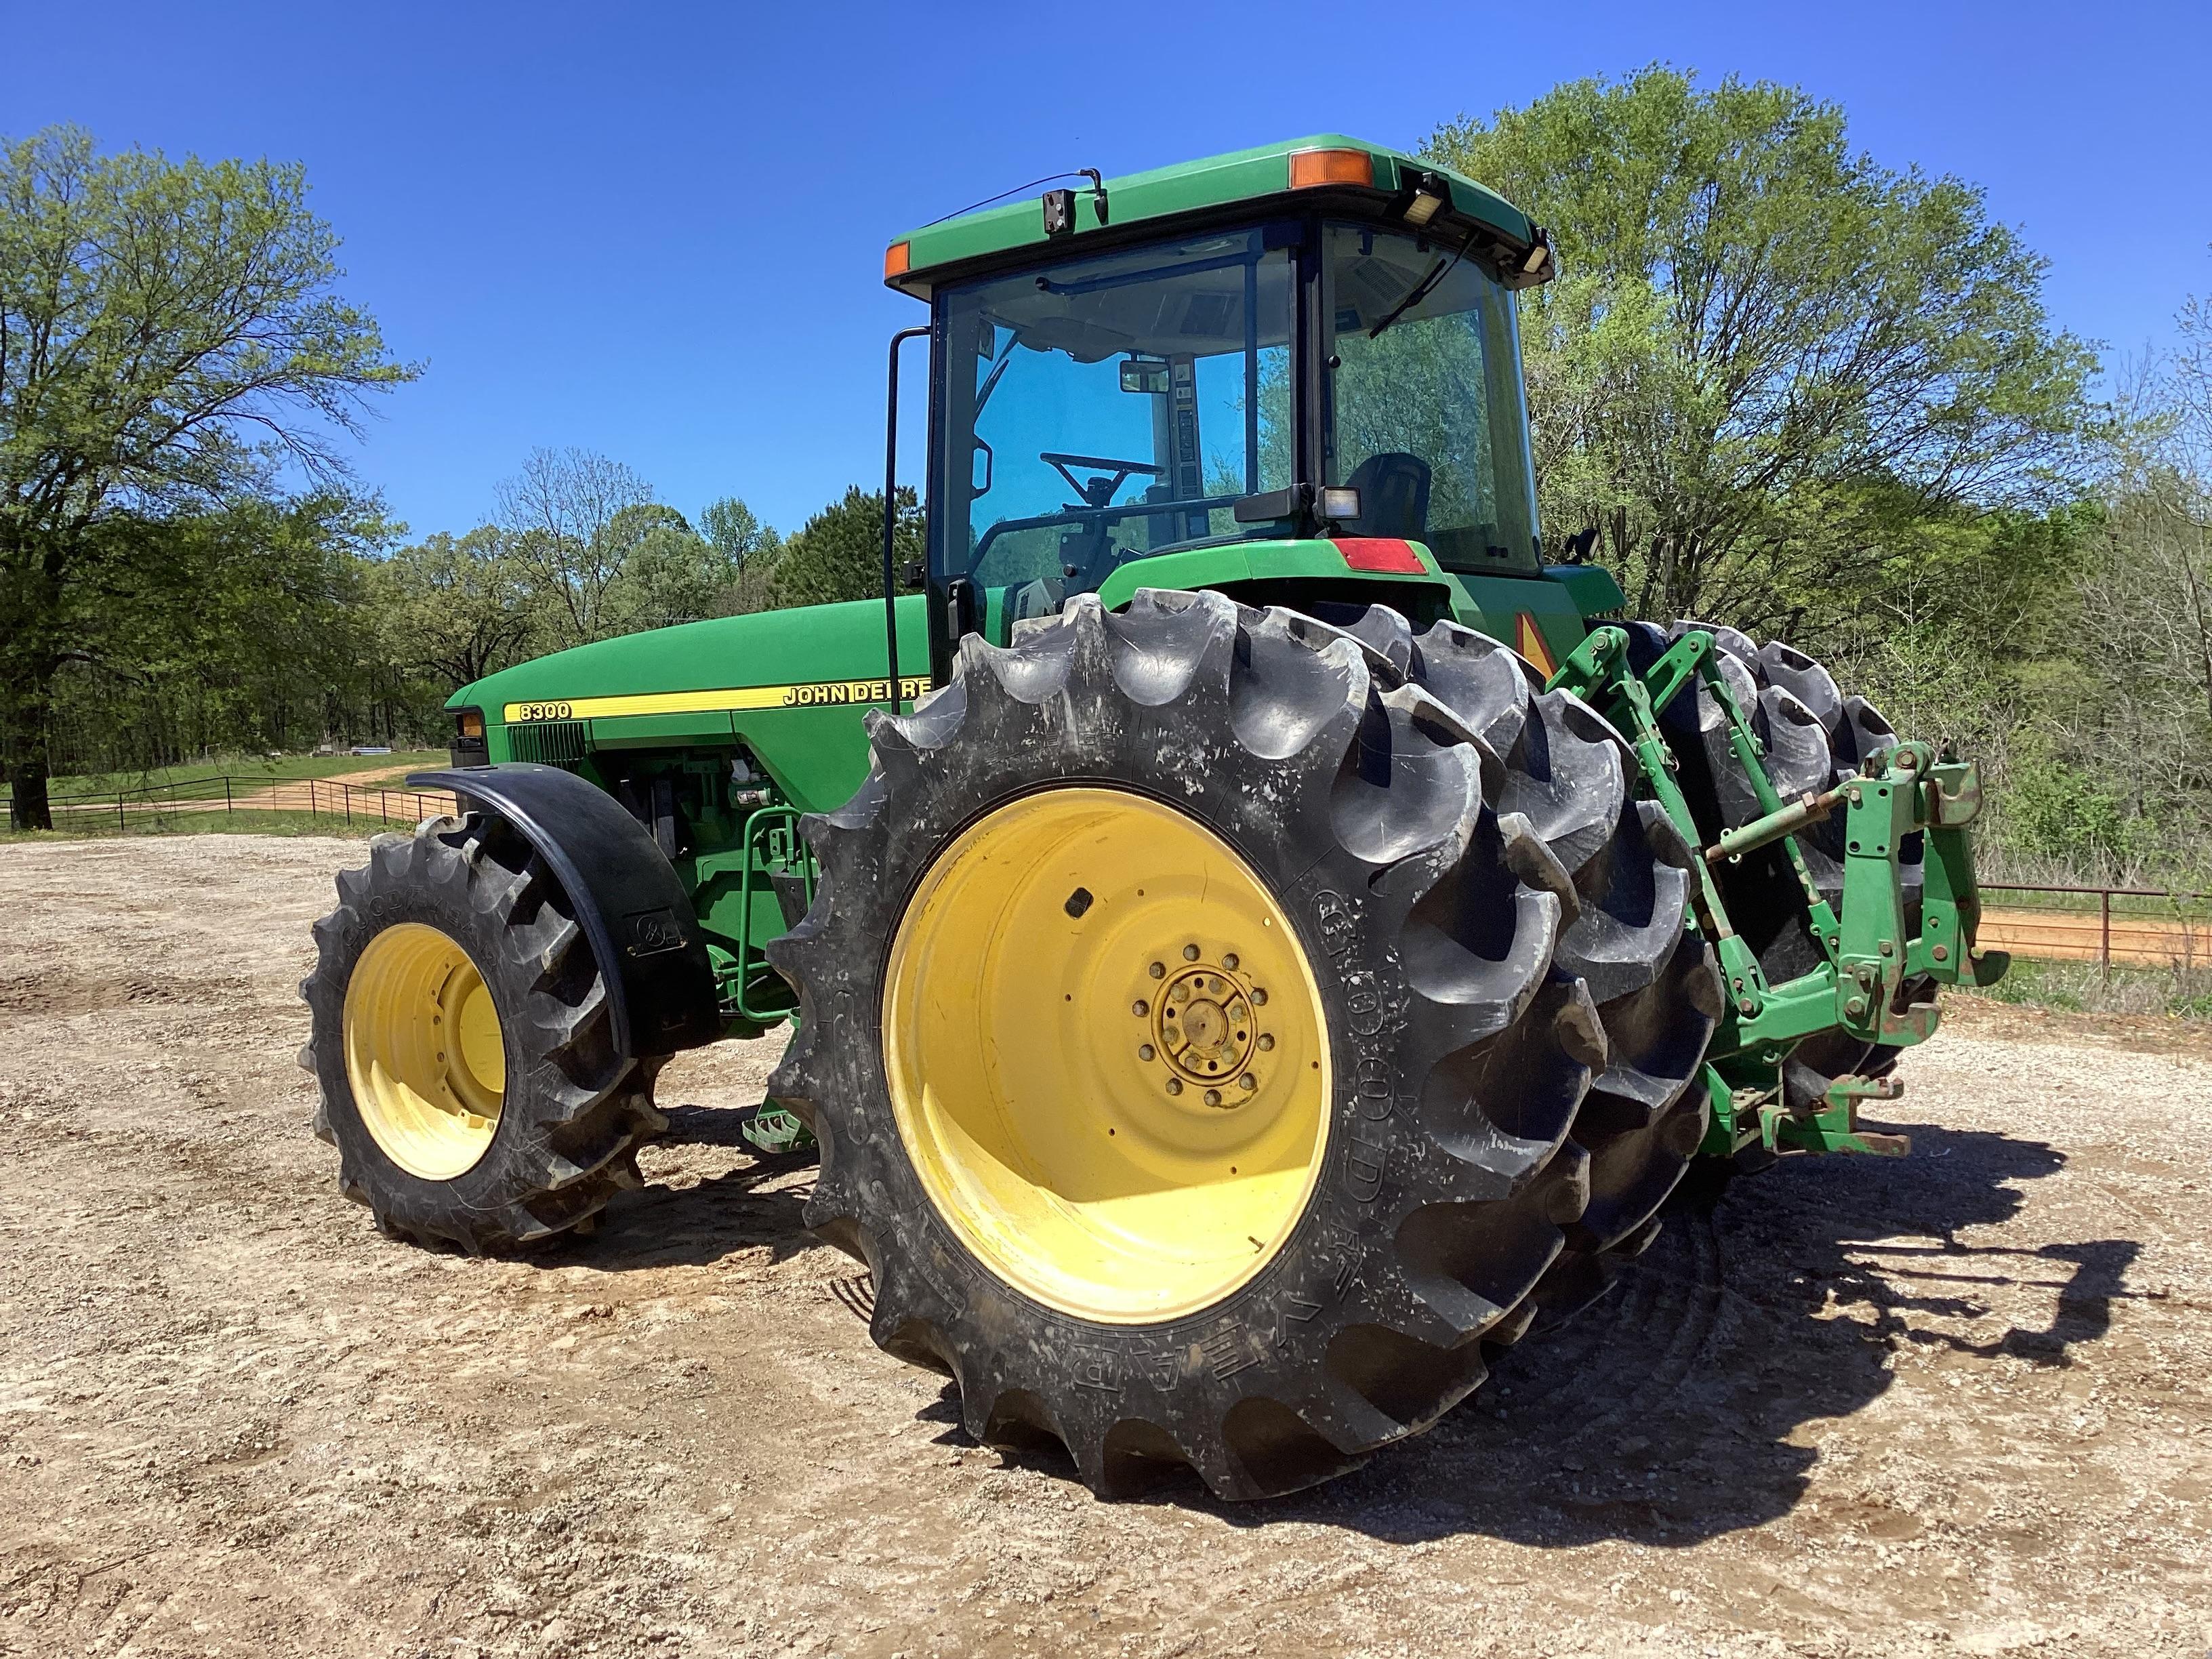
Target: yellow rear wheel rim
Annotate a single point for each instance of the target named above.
(424, 1051)
(1107, 1054)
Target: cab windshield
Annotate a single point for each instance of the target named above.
(1426, 417)
(1111, 408)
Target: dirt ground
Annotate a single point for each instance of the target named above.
(1961, 1403)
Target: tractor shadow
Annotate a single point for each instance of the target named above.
(662, 1225)
(1665, 1414)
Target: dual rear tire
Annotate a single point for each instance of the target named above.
(1223, 1030)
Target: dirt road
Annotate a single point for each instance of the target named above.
(1954, 1404)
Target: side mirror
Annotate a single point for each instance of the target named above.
(1145, 375)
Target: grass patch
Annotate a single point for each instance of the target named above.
(2179, 993)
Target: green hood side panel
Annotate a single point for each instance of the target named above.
(790, 685)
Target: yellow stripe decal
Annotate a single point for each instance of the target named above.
(821, 694)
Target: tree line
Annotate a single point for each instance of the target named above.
(1777, 383)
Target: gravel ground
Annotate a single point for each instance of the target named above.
(1954, 1404)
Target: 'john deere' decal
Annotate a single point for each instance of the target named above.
(822, 694)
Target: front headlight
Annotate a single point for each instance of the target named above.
(469, 747)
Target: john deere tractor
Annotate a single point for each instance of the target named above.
(1259, 930)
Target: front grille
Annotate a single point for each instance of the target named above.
(548, 743)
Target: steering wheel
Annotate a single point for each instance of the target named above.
(1097, 492)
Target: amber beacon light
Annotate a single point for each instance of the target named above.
(1312, 167)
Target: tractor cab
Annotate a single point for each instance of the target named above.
(1187, 360)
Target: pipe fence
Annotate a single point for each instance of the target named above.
(2129, 926)
(229, 801)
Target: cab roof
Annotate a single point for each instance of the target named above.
(1326, 163)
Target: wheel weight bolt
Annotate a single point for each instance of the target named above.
(1157, 970)
(1213, 1097)
(1140, 1007)
(1259, 998)
(1145, 1051)
(1248, 1083)
(1229, 963)
(1190, 953)
(1175, 1085)
(1266, 1042)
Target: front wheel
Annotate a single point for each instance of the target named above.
(462, 1046)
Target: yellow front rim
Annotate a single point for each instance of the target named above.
(1107, 1054)
(424, 1051)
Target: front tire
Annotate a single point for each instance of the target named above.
(461, 1045)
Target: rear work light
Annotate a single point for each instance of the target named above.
(1312, 167)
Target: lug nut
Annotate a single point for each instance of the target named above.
(1248, 1083)
(1157, 970)
(1229, 962)
(1145, 1051)
(1259, 998)
(1175, 1085)
(1213, 1097)
(1190, 953)
(1140, 1007)
(1267, 1040)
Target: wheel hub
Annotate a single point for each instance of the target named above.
(1205, 1028)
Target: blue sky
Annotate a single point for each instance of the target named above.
(656, 230)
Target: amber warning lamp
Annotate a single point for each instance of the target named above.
(1310, 168)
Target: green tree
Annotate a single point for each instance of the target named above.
(1765, 351)
(560, 512)
(735, 531)
(838, 553)
(669, 573)
(455, 607)
(169, 339)
(243, 626)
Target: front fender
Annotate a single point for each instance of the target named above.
(635, 912)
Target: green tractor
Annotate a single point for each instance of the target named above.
(1259, 934)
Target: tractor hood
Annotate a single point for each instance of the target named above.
(822, 655)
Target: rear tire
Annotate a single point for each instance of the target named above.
(534, 1130)
(1455, 1042)
(1654, 980)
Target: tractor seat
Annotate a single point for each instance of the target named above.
(1394, 497)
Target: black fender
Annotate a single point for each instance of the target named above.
(635, 912)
